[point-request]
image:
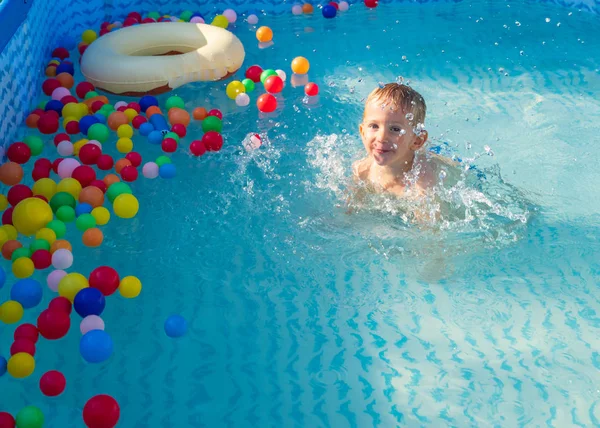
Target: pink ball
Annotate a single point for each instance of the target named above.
(66, 167)
(62, 259)
(119, 104)
(252, 19)
(343, 6)
(65, 148)
(230, 15)
(150, 170)
(60, 93)
(54, 278)
(297, 10)
(197, 20)
(91, 322)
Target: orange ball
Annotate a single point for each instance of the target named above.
(50, 71)
(307, 8)
(92, 237)
(32, 120)
(199, 113)
(92, 195)
(66, 80)
(264, 34)
(11, 173)
(120, 164)
(8, 248)
(300, 65)
(179, 115)
(112, 178)
(116, 119)
(61, 244)
(152, 110)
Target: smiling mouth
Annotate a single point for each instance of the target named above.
(381, 151)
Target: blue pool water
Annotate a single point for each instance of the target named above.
(301, 314)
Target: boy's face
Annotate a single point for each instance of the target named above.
(388, 135)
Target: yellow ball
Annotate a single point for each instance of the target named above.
(3, 202)
(10, 230)
(83, 110)
(125, 131)
(124, 145)
(30, 215)
(11, 312)
(130, 287)
(23, 267)
(89, 36)
(70, 284)
(21, 365)
(72, 110)
(45, 187)
(220, 21)
(3, 237)
(234, 88)
(300, 65)
(102, 215)
(46, 234)
(126, 205)
(130, 113)
(71, 186)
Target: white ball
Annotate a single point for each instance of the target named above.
(281, 74)
(242, 100)
(62, 259)
(297, 10)
(65, 148)
(120, 104)
(150, 170)
(252, 19)
(91, 322)
(343, 6)
(54, 278)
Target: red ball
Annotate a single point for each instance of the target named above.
(68, 99)
(38, 111)
(26, 331)
(129, 173)
(50, 85)
(60, 53)
(84, 174)
(82, 48)
(104, 24)
(105, 279)
(42, 259)
(311, 89)
(52, 383)
(19, 152)
(215, 112)
(43, 163)
(101, 411)
(53, 324)
(39, 172)
(138, 121)
(135, 15)
(213, 141)
(97, 105)
(179, 129)
(130, 21)
(55, 164)
(135, 158)
(148, 21)
(197, 148)
(134, 106)
(7, 216)
(23, 345)
(104, 31)
(105, 162)
(273, 84)
(52, 113)
(266, 103)
(253, 73)
(72, 127)
(83, 88)
(99, 184)
(334, 4)
(60, 304)
(122, 108)
(89, 154)
(7, 420)
(371, 3)
(48, 123)
(169, 145)
(61, 137)
(17, 193)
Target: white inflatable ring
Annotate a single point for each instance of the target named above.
(157, 57)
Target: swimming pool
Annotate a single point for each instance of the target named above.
(303, 315)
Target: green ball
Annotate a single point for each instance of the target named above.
(39, 244)
(154, 15)
(20, 252)
(107, 108)
(66, 213)
(117, 189)
(90, 94)
(162, 160)
(172, 135)
(248, 84)
(85, 222)
(212, 123)
(61, 199)
(175, 101)
(58, 227)
(99, 132)
(42, 105)
(35, 144)
(186, 15)
(30, 417)
(267, 73)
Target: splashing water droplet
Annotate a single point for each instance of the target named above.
(442, 175)
(547, 19)
(468, 145)
(410, 116)
(381, 85)
(517, 23)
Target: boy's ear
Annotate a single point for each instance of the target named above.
(360, 129)
(420, 140)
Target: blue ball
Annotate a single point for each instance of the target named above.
(65, 67)
(2, 277)
(329, 11)
(89, 301)
(28, 292)
(85, 122)
(175, 326)
(96, 346)
(67, 42)
(54, 105)
(3, 364)
(147, 101)
(83, 208)
(167, 170)
(101, 118)
(146, 128)
(155, 137)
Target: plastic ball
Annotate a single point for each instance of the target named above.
(42, 259)
(311, 89)
(199, 113)
(23, 345)
(230, 15)
(91, 322)
(71, 284)
(85, 221)
(273, 84)
(117, 189)
(129, 173)
(62, 259)
(66, 167)
(58, 94)
(54, 278)
(197, 148)
(23, 267)
(242, 100)
(65, 148)
(124, 145)
(21, 365)
(102, 215)
(175, 326)
(45, 187)
(213, 141)
(11, 173)
(307, 8)
(178, 115)
(60, 304)
(53, 324)
(52, 383)
(6, 419)
(371, 3)
(147, 101)
(167, 171)
(120, 164)
(252, 19)
(96, 346)
(300, 65)
(234, 88)
(9, 247)
(248, 84)
(28, 292)
(18, 152)
(343, 6)
(30, 215)
(266, 103)
(266, 74)
(101, 411)
(11, 312)
(62, 199)
(328, 12)
(264, 34)
(220, 21)
(17, 193)
(282, 74)
(89, 36)
(49, 85)
(175, 101)
(130, 287)
(92, 196)
(179, 129)
(253, 73)
(105, 162)
(92, 237)
(126, 206)
(150, 170)
(89, 301)
(99, 132)
(297, 10)
(26, 331)
(212, 123)
(83, 175)
(30, 417)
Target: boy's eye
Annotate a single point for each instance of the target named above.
(396, 129)
(372, 126)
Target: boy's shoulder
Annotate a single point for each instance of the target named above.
(360, 168)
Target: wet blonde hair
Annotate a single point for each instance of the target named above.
(402, 97)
